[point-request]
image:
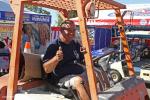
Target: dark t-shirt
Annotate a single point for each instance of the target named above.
(71, 52)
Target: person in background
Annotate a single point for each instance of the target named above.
(25, 37)
(4, 57)
(2, 45)
(59, 58)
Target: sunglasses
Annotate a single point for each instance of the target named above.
(68, 29)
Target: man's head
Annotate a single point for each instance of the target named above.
(2, 45)
(67, 31)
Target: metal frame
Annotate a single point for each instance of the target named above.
(63, 6)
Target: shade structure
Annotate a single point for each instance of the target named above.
(64, 6)
(70, 4)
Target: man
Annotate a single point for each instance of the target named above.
(59, 59)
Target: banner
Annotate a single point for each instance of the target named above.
(9, 16)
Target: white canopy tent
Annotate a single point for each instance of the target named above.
(139, 34)
(140, 16)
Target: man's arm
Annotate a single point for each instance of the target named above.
(51, 64)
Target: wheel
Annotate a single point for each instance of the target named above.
(116, 76)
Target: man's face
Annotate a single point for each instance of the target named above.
(68, 32)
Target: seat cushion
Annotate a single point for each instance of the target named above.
(33, 66)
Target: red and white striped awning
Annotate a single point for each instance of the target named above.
(99, 22)
(55, 31)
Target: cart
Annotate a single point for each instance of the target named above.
(85, 10)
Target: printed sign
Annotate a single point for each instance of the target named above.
(9, 16)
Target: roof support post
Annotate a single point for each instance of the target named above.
(14, 61)
(120, 24)
(87, 56)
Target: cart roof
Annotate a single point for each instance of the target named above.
(70, 4)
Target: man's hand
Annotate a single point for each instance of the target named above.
(83, 50)
(59, 54)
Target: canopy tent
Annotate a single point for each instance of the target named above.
(6, 14)
(139, 34)
(137, 14)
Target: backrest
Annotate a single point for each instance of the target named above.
(33, 66)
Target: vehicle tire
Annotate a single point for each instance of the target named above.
(116, 76)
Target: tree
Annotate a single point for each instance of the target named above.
(60, 20)
(37, 9)
(72, 14)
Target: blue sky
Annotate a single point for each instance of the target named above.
(133, 1)
(54, 13)
(54, 17)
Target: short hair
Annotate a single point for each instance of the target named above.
(2, 44)
(24, 29)
(68, 24)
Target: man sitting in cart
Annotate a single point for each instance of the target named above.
(58, 61)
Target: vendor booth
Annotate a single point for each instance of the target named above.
(136, 17)
(34, 25)
(36, 30)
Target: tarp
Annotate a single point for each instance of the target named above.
(102, 38)
(6, 14)
(99, 37)
(141, 16)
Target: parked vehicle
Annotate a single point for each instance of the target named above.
(85, 10)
